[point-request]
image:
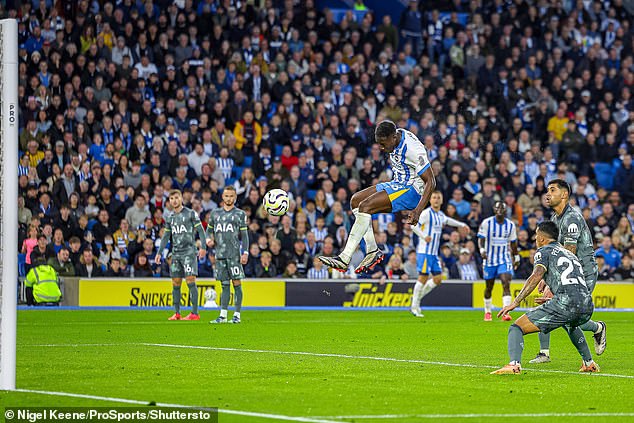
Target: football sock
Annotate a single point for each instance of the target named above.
(506, 300)
(544, 342)
(417, 295)
(223, 313)
(193, 296)
(579, 341)
(516, 343)
(591, 326)
(238, 297)
(428, 287)
(487, 305)
(236, 314)
(356, 234)
(176, 298)
(368, 237)
(224, 298)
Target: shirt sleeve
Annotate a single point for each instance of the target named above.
(484, 227)
(166, 236)
(198, 226)
(571, 230)
(244, 234)
(416, 229)
(513, 234)
(453, 222)
(243, 221)
(423, 221)
(541, 258)
(416, 155)
(210, 225)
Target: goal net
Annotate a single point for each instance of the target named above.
(8, 199)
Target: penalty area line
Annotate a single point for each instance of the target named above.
(161, 404)
(374, 358)
(333, 355)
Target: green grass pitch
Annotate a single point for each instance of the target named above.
(356, 366)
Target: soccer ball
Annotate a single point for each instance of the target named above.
(210, 294)
(210, 297)
(276, 202)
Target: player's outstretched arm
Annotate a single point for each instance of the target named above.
(529, 286)
(463, 228)
(430, 185)
(455, 223)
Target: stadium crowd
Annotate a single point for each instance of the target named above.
(123, 101)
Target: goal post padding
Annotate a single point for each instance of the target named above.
(8, 200)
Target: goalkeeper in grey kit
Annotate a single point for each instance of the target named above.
(181, 227)
(227, 229)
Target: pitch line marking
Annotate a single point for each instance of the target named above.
(364, 357)
(322, 419)
(472, 416)
(333, 355)
(161, 404)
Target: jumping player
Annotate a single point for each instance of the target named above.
(228, 231)
(411, 188)
(494, 236)
(181, 227)
(429, 231)
(575, 236)
(570, 306)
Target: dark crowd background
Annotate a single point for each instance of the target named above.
(123, 101)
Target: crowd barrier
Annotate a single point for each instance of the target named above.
(276, 293)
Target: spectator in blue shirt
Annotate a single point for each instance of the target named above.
(97, 150)
(35, 41)
(462, 206)
(612, 257)
(411, 26)
(206, 6)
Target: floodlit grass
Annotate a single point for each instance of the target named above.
(357, 363)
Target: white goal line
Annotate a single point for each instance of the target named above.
(333, 355)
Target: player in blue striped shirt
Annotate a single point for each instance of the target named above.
(24, 166)
(318, 271)
(494, 236)
(429, 231)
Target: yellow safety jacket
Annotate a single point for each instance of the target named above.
(44, 281)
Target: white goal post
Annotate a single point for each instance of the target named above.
(8, 200)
